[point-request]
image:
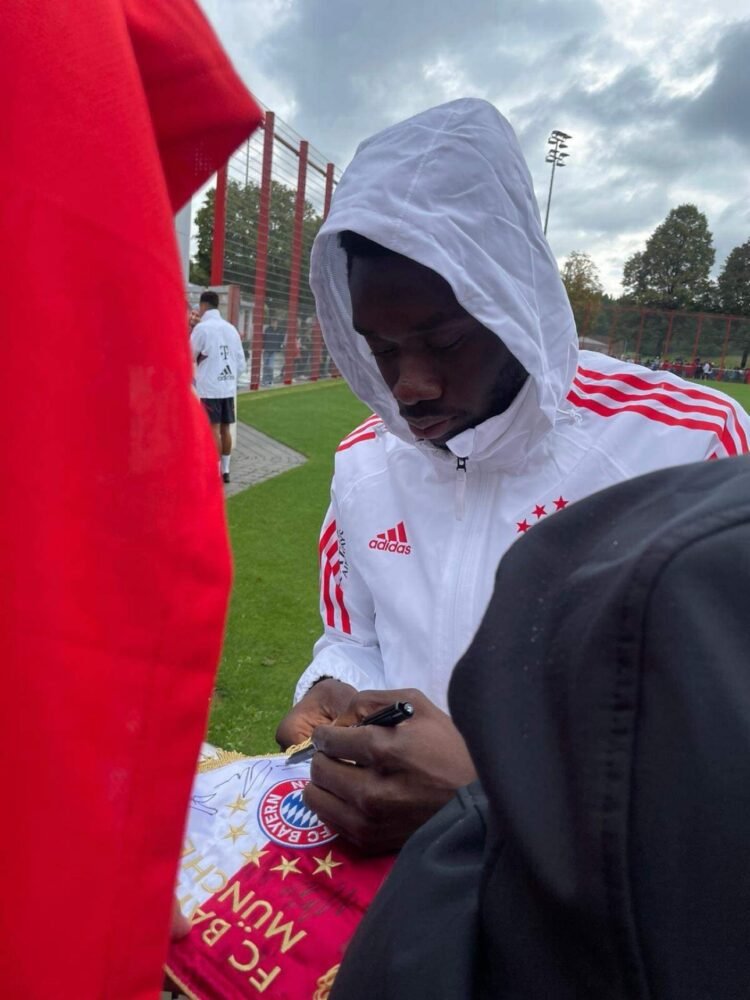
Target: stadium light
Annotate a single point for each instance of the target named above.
(556, 156)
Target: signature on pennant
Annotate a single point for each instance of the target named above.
(249, 778)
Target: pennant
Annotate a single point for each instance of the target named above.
(273, 894)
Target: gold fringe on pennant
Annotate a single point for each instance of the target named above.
(220, 758)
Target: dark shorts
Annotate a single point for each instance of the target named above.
(220, 411)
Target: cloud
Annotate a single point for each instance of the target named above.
(732, 228)
(656, 96)
(243, 29)
(723, 108)
(642, 145)
(354, 68)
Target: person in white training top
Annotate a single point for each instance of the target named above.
(219, 361)
(442, 306)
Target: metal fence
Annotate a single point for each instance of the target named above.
(269, 203)
(682, 342)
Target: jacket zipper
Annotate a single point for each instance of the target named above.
(466, 554)
(460, 488)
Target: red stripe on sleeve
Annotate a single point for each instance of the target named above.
(618, 395)
(657, 415)
(350, 442)
(362, 427)
(329, 585)
(326, 537)
(346, 625)
(326, 592)
(725, 406)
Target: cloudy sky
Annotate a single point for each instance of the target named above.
(656, 94)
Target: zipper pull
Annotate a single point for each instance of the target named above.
(460, 488)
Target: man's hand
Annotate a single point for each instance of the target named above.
(322, 704)
(399, 777)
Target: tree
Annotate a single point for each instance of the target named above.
(243, 209)
(733, 286)
(734, 282)
(672, 272)
(634, 277)
(580, 276)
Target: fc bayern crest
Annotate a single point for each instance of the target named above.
(285, 819)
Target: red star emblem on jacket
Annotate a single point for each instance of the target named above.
(539, 511)
(560, 503)
(522, 526)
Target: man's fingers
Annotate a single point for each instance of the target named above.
(362, 705)
(362, 789)
(294, 728)
(319, 707)
(367, 702)
(345, 781)
(346, 743)
(342, 817)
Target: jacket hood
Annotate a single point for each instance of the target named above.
(450, 189)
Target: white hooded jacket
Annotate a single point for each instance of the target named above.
(414, 533)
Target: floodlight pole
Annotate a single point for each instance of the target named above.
(555, 156)
(549, 196)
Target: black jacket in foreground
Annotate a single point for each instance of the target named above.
(606, 702)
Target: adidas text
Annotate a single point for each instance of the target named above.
(384, 546)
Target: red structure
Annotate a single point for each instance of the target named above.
(676, 338)
(292, 344)
(270, 200)
(317, 334)
(261, 257)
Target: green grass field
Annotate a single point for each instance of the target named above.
(274, 619)
(274, 527)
